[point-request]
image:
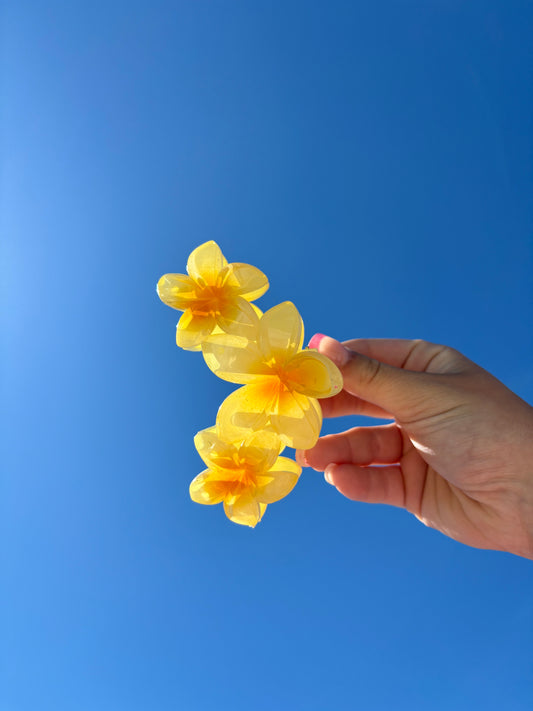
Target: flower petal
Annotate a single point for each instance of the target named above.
(235, 358)
(246, 510)
(239, 318)
(298, 420)
(281, 331)
(278, 481)
(256, 451)
(205, 489)
(247, 281)
(193, 330)
(211, 447)
(206, 262)
(265, 405)
(313, 374)
(242, 412)
(176, 291)
(261, 450)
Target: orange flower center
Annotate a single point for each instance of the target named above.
(277, 368)
(211, 300)
(273, 389)
(236, 476)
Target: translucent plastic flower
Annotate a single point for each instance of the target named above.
(245, 475)
(214, 297)
(281, 382)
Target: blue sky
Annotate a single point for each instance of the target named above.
(374, 160)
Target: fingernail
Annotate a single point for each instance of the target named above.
(315, 340)
(327, 475)
(301, 458)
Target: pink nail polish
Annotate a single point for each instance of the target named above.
(301, 458)
(315, 340)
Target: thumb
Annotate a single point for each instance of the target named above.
(402, 393)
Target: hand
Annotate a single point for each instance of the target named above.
(459, 454)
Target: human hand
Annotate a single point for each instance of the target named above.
(459, 455)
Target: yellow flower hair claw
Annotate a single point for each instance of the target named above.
(244, 475)
(281, 381)
(277, 404)
(215, 296)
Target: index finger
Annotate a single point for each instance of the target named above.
(415, 354)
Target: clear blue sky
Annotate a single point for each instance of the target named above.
(374, 159)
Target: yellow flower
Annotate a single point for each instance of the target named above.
(245, 475)
(214, 297)
(281, 382)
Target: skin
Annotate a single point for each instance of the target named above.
(459, 454)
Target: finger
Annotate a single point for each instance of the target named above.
(344, 403)
(371, 485)
(393, 389)
(360, 445)
(420, 356)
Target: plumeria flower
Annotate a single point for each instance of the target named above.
(215, 297)
(281, 381)
(244, 475)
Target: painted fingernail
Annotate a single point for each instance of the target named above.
(301, 458)
(315, 340)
